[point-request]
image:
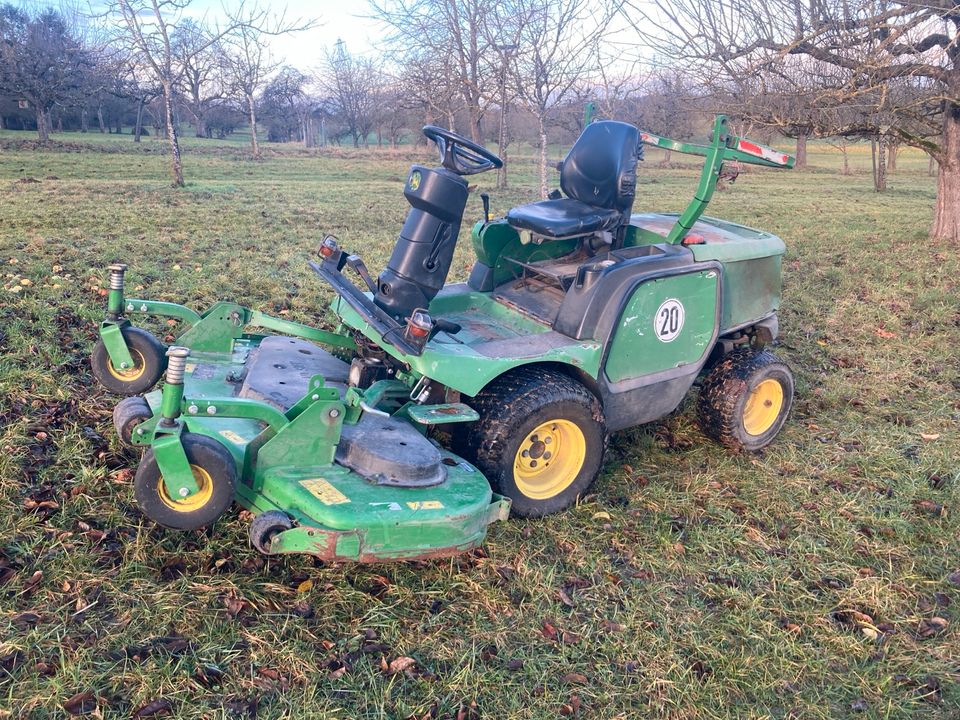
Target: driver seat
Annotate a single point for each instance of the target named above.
(599, 177)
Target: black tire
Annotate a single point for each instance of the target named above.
(739, 405)
(130, 412)
(511, 409)
(265, 526)
(150, 360)
(216, 473)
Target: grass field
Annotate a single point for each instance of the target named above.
(819, 579)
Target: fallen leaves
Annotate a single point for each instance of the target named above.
(929, 627)
(154, 708)
(400, 664)
(82, 703)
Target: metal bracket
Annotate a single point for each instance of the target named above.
(174, 466)
(111, 332)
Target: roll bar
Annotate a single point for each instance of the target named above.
(723, 147)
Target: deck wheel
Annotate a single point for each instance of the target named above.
(214, 472)
(149, 360)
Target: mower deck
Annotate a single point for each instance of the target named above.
(338, 513)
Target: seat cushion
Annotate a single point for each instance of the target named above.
(563, 218)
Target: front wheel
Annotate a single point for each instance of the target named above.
(215, 473)
(745, 399)
(540, 439)
(149, 362)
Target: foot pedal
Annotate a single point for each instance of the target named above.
(440, 414)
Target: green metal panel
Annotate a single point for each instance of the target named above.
(751, 262)
(494, 242)
(666, 323)
(460, 361)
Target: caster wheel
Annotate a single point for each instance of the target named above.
(265, 527)
(215, 472)
(540, 439)
(130, 412)
(149, 360)
(745, 399)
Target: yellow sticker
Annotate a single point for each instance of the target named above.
(324, 492)
(190, 367)
(232, 436)
(425, 505)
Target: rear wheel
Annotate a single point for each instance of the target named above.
(149, 362)
(214, 472)
(745, 399)
(540, 439)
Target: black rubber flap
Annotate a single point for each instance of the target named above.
(390, 452)
(279, 370)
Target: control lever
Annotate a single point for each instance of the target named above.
(485, 198)
(355, 262)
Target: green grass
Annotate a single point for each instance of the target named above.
(691, 584)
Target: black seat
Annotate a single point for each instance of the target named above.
(598, 176)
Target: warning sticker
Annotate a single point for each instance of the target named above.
(324, 491)
(232, 436)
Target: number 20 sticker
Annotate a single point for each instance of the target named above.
(668, 322)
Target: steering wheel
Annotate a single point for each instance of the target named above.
(459, 155)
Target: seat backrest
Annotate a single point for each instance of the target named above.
(601, 167)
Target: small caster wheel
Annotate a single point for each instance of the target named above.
(745, 399)
(265, 527)
(215, 473)
(149, 362)
(130, 412)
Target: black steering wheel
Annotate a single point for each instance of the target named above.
(459, 155)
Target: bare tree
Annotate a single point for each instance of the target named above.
(558, 42)
(148, 30)
(200, 71)
(352, 84)
(873, 44)
(246, 57)
(450, 29)
(41, 62)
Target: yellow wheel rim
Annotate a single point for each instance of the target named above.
(193, 502)
(134, 373)
(763, 407)
(549, 459)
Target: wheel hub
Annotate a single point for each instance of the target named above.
(763, 407)
(549, 459)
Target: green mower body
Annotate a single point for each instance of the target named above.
(435, 408)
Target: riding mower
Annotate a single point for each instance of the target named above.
(436, 409)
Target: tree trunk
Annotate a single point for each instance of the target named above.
(200, 127)
(253, 128)
(138, 128)
(103, 127)
(543, 157)
(846, 159)
(892, 149)
(946, 222)
(666, 158)
(931, 166)
(176, 164)
(84, 121)
(801, 151)
(43, 131)
(880, 178)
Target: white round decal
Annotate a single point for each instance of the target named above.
(668, 322)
